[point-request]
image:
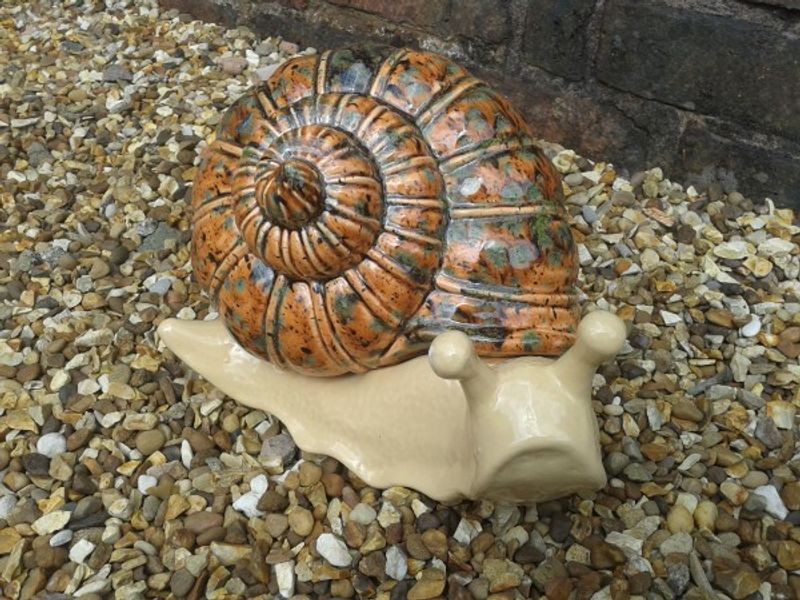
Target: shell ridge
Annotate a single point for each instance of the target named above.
(413, 236)
(417, 202)
(228, 148)
(311, 252)
(226, 265)
(391, 266)
(271, 321)
(413, 162)
(368, 298)
(266, 103)
(444, 97)
(322, 69)
(212, 204)
(353, 365)
(468, 154)
(382, 73)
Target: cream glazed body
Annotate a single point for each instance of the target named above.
(449, 425)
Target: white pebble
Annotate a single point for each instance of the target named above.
(59, 380)
(7, 504)
(630, 545)
(467, 531)
(752, 328)
(333, 550)
(775, 505)
(363, 514)
(248, 503)
(284, 575)
(51, 444)
(186, 454)
(670, 318)
(145, 482)
(111, 534)
(782, 412)
(734, 250)
(88, 386)
(688, 501)
(62, 537)
(396, 563)
(689, 462)
(80, 550)
(111, 419)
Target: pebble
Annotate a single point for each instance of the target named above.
(301, 521)
(396, 563)
(201, 521)
(679, 519)
(248, 503)
(94, 338)
(81, 550)
(773, 503)
(181, 583)
(50, 522)
(363, 514)
(466, 531)
(679, 543)
(284, 574)
(145, 483)
(7, 503)
(51, 444)
(333, 550)
(733, 492)
(60, 538)
(230, 554)
(150, 441)
(752, 328)
(281, 446)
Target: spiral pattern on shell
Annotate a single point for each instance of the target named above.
(360, 202)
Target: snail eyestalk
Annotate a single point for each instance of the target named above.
(452, 356)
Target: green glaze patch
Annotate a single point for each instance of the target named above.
(345, 305)
(530, 341)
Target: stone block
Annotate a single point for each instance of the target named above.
(330, 27)
(711, 150)
(555, 36)
(203, 10)
(423, 13)
(788, 4)
(714, 64)
(485, 20)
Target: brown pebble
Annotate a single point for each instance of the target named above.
(310, 473)
(215, 534)
(149, 441)
(199, 522)
(333, 483)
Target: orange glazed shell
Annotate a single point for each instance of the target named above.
(362, 201)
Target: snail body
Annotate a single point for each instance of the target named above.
(363, 201)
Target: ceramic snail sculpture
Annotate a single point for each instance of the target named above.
(363, 207)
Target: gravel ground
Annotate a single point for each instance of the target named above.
(124, 475)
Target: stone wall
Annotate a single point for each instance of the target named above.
(707, 89)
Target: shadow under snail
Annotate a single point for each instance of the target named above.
(361, 202)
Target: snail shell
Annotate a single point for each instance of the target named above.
(362, 201)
